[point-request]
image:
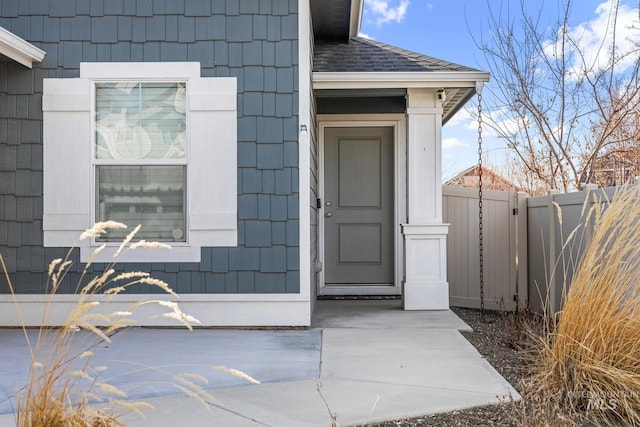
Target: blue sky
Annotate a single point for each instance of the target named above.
(446, 29)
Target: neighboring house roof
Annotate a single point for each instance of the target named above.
(365, 55)
(19, 50)
(468, 178)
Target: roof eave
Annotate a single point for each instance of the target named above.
(368, 80)
(355, 20)
(453, 109)
(465, 81)
(19, 50)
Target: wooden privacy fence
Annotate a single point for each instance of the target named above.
(551, 219)
(504, 242)
(524, 245)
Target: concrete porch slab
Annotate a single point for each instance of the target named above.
(411, 363)
(374, 314)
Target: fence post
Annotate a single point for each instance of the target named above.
(512, 288)
(552, 286)
(522, 255)
(588, 227)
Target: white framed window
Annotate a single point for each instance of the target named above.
(140, 158)
(141, 143)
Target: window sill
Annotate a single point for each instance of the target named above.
(180, 252)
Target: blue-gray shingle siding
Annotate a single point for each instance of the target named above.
(254, 40)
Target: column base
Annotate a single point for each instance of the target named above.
(425, 285)
(425, 295)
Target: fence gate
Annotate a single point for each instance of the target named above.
(504, 242)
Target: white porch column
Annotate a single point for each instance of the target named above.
(425, 284)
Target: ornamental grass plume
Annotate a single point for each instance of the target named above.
(589, 365)
(62, 385)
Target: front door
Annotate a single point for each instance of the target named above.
(358, 209)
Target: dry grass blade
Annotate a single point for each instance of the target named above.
(591, 365)
(236, 373)
(332, 415)
(62, 385)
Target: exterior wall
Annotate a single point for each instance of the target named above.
(256, 42)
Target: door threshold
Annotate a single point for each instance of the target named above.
(357, 297)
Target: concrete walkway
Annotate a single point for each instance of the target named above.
(371, 360)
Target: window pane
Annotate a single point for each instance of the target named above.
(140, 120)
(149, 195)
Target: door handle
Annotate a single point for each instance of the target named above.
(328, 214)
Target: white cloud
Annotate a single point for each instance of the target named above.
(453, 142)
(429, 6)
(365, 36)
(383, 10)
(462, 116)
(595, 37)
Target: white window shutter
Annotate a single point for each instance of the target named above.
(212, 176)
(66, 105)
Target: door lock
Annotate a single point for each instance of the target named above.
(328, 203)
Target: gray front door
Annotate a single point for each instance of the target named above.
(358, 206)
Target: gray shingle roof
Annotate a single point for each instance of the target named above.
(365, 55)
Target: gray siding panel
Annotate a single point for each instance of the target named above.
(259, 26)
(97, 7)
(240, 28)
(278, 208)
(283, 181)
(7, 182)
(36, 7)
(186, 29)
(220, 260)
(19, 82)
(197, 8)
(22, 158)
(264, 210)
(254, 40)
(60, 8)
(258, 233)
(37, 29)
(112, 7)
(249, 7)
(270, 283)
(104, 30)
(248, 206)
(273, 259)
(247, 154)
(144, 7)
(279, 233)
(270, 156)
(8, 158)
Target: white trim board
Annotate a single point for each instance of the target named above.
(404, 80)
(304, 161)
(399, 125)
(213, 310)
(19, 50)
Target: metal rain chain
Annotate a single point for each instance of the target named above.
(480, 242)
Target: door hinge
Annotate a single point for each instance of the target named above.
(318, 203)
(515, 211)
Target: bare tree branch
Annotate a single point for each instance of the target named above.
(560, 107)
